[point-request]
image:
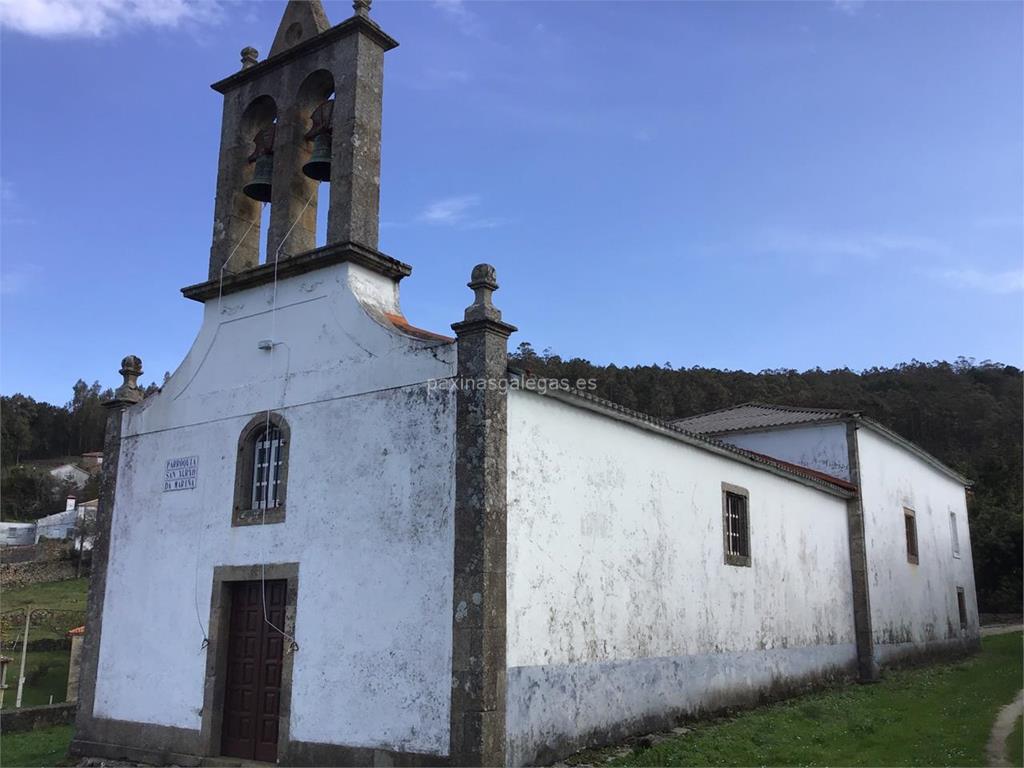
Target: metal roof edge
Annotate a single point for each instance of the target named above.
(666, 429)
(777, 427)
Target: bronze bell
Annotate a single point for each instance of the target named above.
(319, 165)
(263, 174)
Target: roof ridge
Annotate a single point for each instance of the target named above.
(797, 408)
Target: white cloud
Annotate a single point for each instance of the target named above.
(433, 79)
(449, 210)
(456, 211)
(849, 7)
(456, 10)
(1010, 281)
(849, 245)
(100, 18)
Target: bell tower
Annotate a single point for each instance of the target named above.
(310, 113)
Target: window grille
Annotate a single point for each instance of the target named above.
(266, 474)
(736, 528)
(954, 535)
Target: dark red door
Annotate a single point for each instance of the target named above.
(252, 693)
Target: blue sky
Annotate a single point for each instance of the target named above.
(729, 185)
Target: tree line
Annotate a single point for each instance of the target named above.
(967, 414)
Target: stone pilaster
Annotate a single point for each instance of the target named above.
(124, 396)
(867, 666)
(478, 623)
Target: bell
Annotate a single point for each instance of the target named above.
(259, 187)
(319, 165)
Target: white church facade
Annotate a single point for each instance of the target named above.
(332, 538)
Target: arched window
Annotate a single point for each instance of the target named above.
(261, 473)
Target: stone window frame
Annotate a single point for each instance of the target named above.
(242, 512)
(961, 606)
(729, 557)
(910, 533)
(954, 534)
(217, 651)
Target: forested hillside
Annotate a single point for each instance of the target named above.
(967, 414)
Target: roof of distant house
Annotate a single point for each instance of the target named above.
(77, 630)
(754, 417)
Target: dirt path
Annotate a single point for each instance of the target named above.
(995, 751)
(1000, 629)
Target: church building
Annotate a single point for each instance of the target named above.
(333, 538)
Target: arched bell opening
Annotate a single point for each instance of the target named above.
(316, 105)
(254, 155)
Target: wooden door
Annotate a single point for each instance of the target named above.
(252, 691)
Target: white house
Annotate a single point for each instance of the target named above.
(71, 473)
(17, 534)
(335, 539)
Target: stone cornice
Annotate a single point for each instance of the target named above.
(350, 26)
(483, 324)
(327, 255)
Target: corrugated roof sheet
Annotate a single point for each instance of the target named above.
(757, 416)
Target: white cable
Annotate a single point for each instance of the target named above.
(266, 431)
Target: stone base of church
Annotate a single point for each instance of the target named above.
(161, 745)
(147, 743)
(913, 654)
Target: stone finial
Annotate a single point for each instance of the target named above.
(131, 369)
(361, 7)
(484, 282)
(250, 56)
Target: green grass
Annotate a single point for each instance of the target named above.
(939, 715)
(1015, 744)
(45, 747)
(46, 674)
(66, 598)
(56, 595)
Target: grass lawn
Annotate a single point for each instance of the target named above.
(939, 715)
(45, 747)
(55, 595)
(1015, 744)
(46, 674)
(66, 597)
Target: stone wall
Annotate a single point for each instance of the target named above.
(14, 575)
(32, 718)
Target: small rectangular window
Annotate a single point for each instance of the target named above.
(910, 523)
(954, 535)
(736, 525)
(961, 604)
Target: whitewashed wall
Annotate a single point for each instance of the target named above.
(369, 516)
(821, 447)
(621, 611)
(913, 605)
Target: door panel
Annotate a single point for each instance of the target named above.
(252, 693)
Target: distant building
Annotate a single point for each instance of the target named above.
(17, 534)
(75, 474)
(60, 525)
